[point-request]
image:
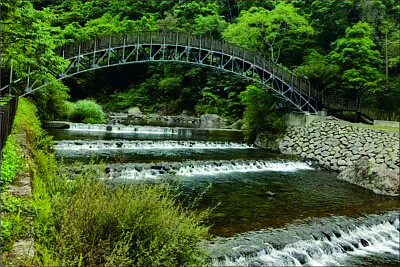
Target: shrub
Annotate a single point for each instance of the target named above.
(126, 225)
(86, 111)
(259, 115)
(50, 101)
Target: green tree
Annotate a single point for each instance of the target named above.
(197, 17)
(278, 34)
(259, 115)
(330, 19)
(321, 74)
(359, 63)
(27, 40)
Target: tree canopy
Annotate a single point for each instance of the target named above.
(347, 48)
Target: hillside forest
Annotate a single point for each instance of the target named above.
(345, 48)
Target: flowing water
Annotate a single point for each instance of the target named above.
(267, 209)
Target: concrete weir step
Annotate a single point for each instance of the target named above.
(117, 127)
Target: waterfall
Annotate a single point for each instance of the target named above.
(128, 129)
(141, 145)
(342, 247)
(193, 168)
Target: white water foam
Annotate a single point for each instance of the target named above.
(245, 166)
(209, 168)
(81, 127)
(141, 145)
(363, 241)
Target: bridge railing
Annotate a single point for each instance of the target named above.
(8, 109)
(341, 103)
(183, 39)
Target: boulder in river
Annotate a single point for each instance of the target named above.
(135, 111)
(212, 121)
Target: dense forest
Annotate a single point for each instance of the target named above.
(345, 48)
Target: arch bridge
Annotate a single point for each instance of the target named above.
(138, 47)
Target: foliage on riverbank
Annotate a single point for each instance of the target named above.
(10, 161)
(86, 111)
(258, 114)
(80, 220)
(16, 206)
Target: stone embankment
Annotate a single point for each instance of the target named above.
(367, 157)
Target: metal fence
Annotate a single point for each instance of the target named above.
(344, 104)
(8, 108)
(377, 114)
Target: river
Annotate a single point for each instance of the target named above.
(267, 209)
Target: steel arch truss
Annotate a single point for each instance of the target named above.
(143, 47)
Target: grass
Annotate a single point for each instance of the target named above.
(126, 225)
(11, 162)
(86, 111)
(16, 211)
(349, 117)
(81, 220)
(376, 128)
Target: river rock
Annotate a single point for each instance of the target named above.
(325, 153)
(376, 177)
(135, 111)
(237, 125)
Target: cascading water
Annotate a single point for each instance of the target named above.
(199, 168)
(256, 195)
(133, 145)
(126, 129)
(377, 241)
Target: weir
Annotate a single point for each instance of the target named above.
(351, 242)
(115, 131)
(267, 209)
(198, 168)
(143, 145)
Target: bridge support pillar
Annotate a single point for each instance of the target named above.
(358, 116)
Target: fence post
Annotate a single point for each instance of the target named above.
(9, 87)
(27, 82)
(7, 114)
